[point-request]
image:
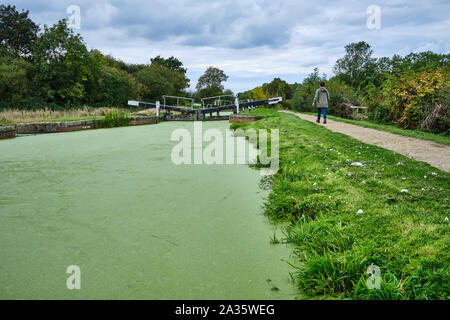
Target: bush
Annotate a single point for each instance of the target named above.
(286, 104)
(115, 118)
(411, 97)
(339, 93)
(381, 115)
(117, 86)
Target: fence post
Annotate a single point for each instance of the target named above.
(157, 108)
(236, 102)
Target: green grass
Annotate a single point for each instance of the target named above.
(438, 138)
(319, 192)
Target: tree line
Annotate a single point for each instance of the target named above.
(412, 92)
(52, 68)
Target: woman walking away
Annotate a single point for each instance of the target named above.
(321, 100)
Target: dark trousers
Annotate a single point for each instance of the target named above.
(319, 111)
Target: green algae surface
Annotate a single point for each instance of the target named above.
(139, 227)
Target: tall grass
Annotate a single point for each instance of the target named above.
(115, 118)
(14, 116)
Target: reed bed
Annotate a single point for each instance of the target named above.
(15, 116)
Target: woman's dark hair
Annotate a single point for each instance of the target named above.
(322, 83)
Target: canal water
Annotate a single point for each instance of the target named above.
(139, 227)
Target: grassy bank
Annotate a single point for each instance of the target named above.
(390, 212)
(438, 138)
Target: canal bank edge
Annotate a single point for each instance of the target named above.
(9, 132)
(235, 118)
(54, 127)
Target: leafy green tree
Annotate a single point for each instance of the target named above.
(212, 80)
(63, 65)
(258, 94)
(17, 32)
(356, 64)
(304, 94)
(133, 68)
(117, 86)
(245, 95)
(278, 88)
(15, 75)
(171, 63)
(417, 62)
(110, 61)
(160, 80)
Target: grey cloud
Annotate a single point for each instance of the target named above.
(253, 40)
(228, 24)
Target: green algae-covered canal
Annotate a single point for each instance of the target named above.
(139, 227)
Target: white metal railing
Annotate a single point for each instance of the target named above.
(178, 99)
(216, 97)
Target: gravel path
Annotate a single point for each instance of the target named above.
(430, 152)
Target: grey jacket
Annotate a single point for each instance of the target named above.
(321, 98)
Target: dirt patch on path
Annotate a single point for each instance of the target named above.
(430, 152)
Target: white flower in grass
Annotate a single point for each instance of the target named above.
(403, 178)
(357, 164)
(380, 182)
(315, 184)
(424, 177)
(446, 219)
(364, 182)
(404, 191)
(329, 197)
(399, 164)
(360, 211)
(423, 189)
(434, 173)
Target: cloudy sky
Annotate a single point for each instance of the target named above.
(252, 41)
